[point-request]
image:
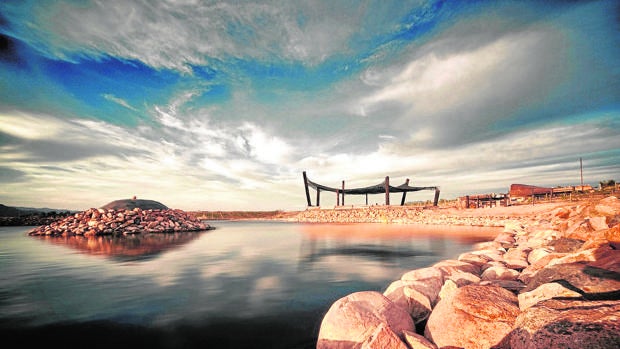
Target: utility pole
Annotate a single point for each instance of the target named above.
(581, 172)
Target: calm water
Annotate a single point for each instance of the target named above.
(243, 285)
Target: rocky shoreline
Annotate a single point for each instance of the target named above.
(551, 279)
(101, 221)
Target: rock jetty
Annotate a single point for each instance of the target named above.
(549, 280)
(399, 215)
(123, 217)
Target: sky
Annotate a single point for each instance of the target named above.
(221, 105)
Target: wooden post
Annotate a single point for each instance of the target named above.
(337, 197)
(318, 197)
(342, 193)
(366, 199)
(307, 191)
(387, 190)
(402, 201)
(436, 201)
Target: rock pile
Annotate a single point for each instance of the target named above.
(99, 221)
(551, 281)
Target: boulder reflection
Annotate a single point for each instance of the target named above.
(126, 247)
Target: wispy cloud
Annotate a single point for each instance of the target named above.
(118, 101)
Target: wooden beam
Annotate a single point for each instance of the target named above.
(342, 193)
(337, 197)
(318, 197)
(402, 201)
(387, 190)
(307, 190)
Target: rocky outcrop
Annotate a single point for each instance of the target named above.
(99, 221)
(549, 280)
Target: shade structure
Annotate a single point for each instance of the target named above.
(383, 187)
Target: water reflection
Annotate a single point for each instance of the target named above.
(384, 243)
(242, 285)
(126, 247)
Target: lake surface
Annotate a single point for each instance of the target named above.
(247, 284)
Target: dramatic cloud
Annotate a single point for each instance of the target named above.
(222, 105)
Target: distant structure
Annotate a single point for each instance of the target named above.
(130, 204)
(483, 200)
(383, 187)
(523, 191)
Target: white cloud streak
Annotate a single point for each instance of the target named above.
(176, 35)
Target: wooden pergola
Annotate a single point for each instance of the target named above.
(383, 187)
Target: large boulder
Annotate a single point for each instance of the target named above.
(452, 266)
(473, 316)
(417, 304)
(609, 206)
(427, 281)
(544, 292)
(568, 324)
(359, 319)
(383, 337)
(500, 273)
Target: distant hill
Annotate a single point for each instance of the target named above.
(10, 211)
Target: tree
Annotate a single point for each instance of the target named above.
(607, 183)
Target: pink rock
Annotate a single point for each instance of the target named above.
(598, 223)
(462, 279)
(591, 281)
(588, 255)
(417, 341)
(427, 281)
(473, 317)
(383, 337)
(517, 253)
(494, 255)
(352, 319)
(516, 264)
(514, 286)
(561, 212)
(499, 273)
(609, 206)
(451, 266)
(505, 239)
(537, 254)
(417, 304)
(475, 259)
(544, 292)
(448, 288)
(609, 260)
(493, 264)
(568, 324)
